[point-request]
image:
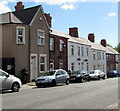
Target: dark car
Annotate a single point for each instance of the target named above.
(113, 73)
(79, 76)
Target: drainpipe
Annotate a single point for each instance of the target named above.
(29, 53)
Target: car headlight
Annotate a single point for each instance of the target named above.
(78, 75)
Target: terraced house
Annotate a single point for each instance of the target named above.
(25, 39)
(29, 42)
(79, 52)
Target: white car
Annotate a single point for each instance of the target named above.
(97, 74)
(9, 82)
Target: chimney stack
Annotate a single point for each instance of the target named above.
(49, 19)
(91, 37)
(19, 6)
(73, 31)
(103, 42)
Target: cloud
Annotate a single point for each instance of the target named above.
(55, 2)
(112, 14)
(68, 6)
(3, 7)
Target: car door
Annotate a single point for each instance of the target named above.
(64, 76)
(58, 77)
(6, 81)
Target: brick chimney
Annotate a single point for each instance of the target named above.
(49, 19)
(103, 42)
(91, 37)
(73, 31)
(19, 6)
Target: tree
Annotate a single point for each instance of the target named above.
(117, 48)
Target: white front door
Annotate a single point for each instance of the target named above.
(33, 66)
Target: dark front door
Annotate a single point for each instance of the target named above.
(8, 65)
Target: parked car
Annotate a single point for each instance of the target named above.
(9, 82)
(113, 73)
(79, 76)
(53, 78)
(97, 74)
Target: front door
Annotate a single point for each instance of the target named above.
(33, 66)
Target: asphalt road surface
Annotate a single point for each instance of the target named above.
(101, 94)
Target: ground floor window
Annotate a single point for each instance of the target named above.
(43, 63)
(87, 67)
(82, 66)
(51, 64)
(78, 66)
(61, 64)
(72, 67)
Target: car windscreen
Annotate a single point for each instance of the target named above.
(78, 72)
(92, 72)
(49, 73)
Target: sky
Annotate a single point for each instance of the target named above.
(90, 16)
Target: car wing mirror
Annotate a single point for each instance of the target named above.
(57, 74)
(7, 75)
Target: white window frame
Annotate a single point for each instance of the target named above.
(52, 64)
(41, 37)
(17, 28)
(45, 63)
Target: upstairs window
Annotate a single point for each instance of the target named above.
(82, 51)
(87, 52)
(51, 44)
(72, 50)
(78, 50)
(20, 35)
(61, 45)
(41, 37)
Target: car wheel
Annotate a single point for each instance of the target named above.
(53, 83)
(89, 79)
(98, 77)
(67, 82)
(81, 80)
(15, 87)
(104, 77)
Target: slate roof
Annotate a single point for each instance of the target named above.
(80, 40)
(24, 16)
(111, 50)
(58, 33)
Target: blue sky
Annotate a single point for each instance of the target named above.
(100, 18)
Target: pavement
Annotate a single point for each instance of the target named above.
(28, 85)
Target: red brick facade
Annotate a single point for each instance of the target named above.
(56, 55)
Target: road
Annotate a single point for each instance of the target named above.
(101, 94)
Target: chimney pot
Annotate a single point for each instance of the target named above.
(91, 37)
(73, 31)
(19, 6)
(103, 42)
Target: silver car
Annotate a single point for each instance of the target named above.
(9, 82)
(97, 74)
(53, 78)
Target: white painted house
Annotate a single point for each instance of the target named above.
(79, 54)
